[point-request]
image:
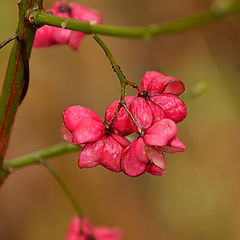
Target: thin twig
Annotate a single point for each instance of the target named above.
(4, 43)
(110, 57)
(63, 185)
(140, 131)
(15, 82)
(123, 82)
(114, 115)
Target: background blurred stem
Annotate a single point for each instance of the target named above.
(218, 10)
(16, 76)
(63, 185)
(197, 91)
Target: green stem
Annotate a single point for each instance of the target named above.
(114, 64)
(124, 82)
(63, 185)
(216, 12)
(16, 78)
(34, 157)
(118, 71)
(140, 131)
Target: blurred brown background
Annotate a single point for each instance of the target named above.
(198, 197)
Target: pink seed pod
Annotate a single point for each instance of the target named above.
(146, 153)
(82, 229)
(100, 146)
(158, 100)
(48, 35)
(122, 123)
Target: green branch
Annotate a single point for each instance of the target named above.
(217, 11)
(34, 157)
(16, 79)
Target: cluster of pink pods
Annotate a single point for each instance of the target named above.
(152, 114)
(82, 229)
(48, 35)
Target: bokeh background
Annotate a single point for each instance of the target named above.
(198, 197)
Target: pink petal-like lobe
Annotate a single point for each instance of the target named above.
(142, 113)
(84, 14)
(160, 133)
(112, 153)
(173, 106)
(103, 233)
(122, 122)
(79, 229)
(43, 37)
(154, 170)
(157, 164)
(134, 159)
(173, 86)
(120, 139)
(107, 152)
(66, 134)
(156, 157)
(82, 229)
(175, 145)
(152, 82)
(155, 82)
(48, 35)
(89, 130)
(75, 39)
(74, 115)
(157, 111)
(91, 154)
(73, 229)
